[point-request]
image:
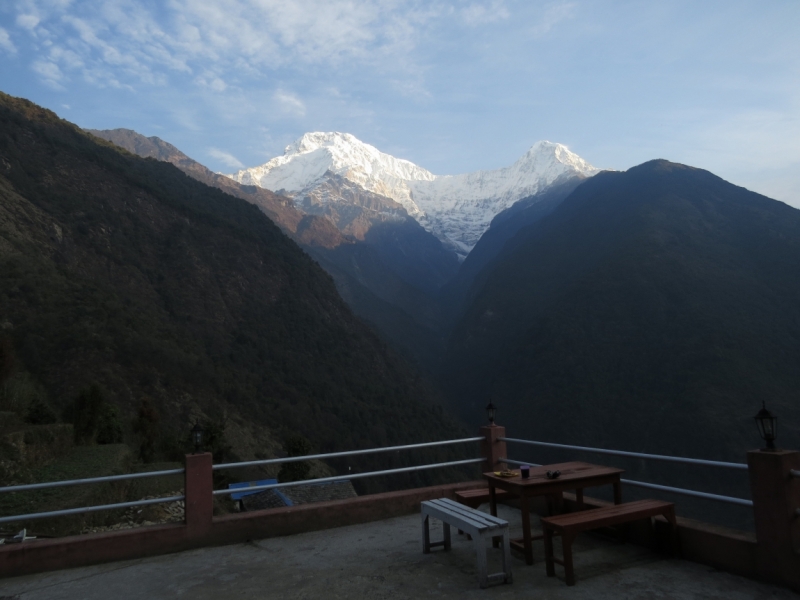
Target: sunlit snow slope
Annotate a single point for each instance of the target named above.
(456, 208)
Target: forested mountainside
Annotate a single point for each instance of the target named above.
(652, 310)
(307, 229)
(124, 272)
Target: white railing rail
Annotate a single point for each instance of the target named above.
(644, 484)
(86, 509)
(258, 488)
(661, 457)
(67, 482)
(287, 459)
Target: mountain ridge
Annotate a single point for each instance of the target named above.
(652, 310)
(456, 208)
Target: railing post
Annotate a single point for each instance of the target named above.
(776, 497)
(492, 448)
(199, 501)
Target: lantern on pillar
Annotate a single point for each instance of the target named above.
(197, 437)
(767, 426)
(490, 412)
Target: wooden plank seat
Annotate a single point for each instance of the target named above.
(478, 524)
(570, 524)
(475, 497)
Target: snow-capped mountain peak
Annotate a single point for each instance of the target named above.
(455, 208)
(305, 162)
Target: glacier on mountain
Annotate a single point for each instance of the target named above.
(456, 208)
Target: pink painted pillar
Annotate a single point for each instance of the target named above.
(776, 498)
(199, 499)
(492, 448)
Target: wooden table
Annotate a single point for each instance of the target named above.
(574, 476)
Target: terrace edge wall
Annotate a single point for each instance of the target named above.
(92, 549)
(772, 555)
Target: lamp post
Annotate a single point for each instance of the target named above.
(197, 437)
(490, 412)
(767, 426)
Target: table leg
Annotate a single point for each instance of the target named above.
(617, 492)
(426, 535)
(526, 529)
(492, 500)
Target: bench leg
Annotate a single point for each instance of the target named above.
(526, 529)
(480, 550)
(566, 542)
(426, 535)
(675, 547)
(507, 556)
(446, 527)
(548, 552)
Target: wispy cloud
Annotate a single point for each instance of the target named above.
(144, 42)
(481, 13)
(226, 158)
(552, 16)
(27, 21)
(6, 43)
(50, 74)
(289, 103)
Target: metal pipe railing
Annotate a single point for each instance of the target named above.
(663, 488)
(53, 484)
(677, 459)
(277, 461)
(258, 488)
(85, 509)
(685, 492)
(794, 472)
(518, 462)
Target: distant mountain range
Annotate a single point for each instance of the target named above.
(456, 208)
(125, 272)
(651, 310)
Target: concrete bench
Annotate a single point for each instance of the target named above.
(478, 524)
(570, 524)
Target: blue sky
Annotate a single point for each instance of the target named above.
(451, 86)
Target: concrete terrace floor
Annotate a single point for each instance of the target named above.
(384, 560)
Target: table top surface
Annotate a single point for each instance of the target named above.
(570, 472)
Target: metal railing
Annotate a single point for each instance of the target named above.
(85, 509)
(258, 488)
(287, 459)
(677, 459)
(277, 461)
(644, 484)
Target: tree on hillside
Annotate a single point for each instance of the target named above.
(7, 360)
(296, 445)
(86, 410)
(146, 426)
(94, 419)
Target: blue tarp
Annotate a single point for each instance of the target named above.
(244, 484)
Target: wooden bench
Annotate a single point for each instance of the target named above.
(478, 524)
(570, 524)
(475, 497)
